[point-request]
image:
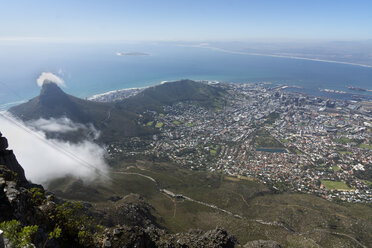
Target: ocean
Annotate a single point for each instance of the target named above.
(90, 69)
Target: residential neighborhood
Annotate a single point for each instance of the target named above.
(285, 139)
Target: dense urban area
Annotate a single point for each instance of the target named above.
(288, 140)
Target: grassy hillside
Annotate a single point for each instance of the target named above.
(172, 92)
(309, 220)
(120, 119)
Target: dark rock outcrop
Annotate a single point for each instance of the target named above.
(8, 159)
(18, 203)
(217, 238)
(262, 244)
(30, 204)
(125, 236)
(134, 212)
(150, 237)
(15, 201)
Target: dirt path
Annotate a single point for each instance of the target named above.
(268, 223)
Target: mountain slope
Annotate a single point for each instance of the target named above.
(53, 103)
(106, 117)
(116, 120)
(172, 92)
(33, 217)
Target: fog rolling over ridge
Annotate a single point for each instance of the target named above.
(47, 159)
(48, 76)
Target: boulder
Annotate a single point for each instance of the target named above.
(8, 159)
(262, 244)
(3, 143)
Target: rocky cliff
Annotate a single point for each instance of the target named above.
(8, 159)
(62, 223)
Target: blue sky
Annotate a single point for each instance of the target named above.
(186, 20)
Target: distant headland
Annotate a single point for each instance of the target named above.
(132, 54)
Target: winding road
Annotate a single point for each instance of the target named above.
(268, 223)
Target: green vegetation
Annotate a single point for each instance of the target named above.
(230, 178)
(298, 152)
(344, 152)
(214, 149)
(345, 141)
(369, 183)
(56, 233)
(213, 152)
(336, 168)
(246, 178)
(159, 124)
(71, 225)
(338, 185)
(38, 195)
(241, 195)
(19, 236)
(271, 118)
(296, 241)
(238, 178)
(154, 98)
(218, 104)
(113, 120)
(294, 150)
(366, 146)
(263, 139)
(116, 120)
(190, 124)
(366, 174)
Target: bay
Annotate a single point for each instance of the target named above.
(90, 69)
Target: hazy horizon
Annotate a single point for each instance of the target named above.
(166, 20)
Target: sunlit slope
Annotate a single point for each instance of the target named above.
(154, 98)
(116, 120)
(292, 219)
(54, 103)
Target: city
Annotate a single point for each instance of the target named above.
(288, 140)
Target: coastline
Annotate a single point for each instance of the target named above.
(120, 94)
(135, 90)
(6, 106)
(116, 91)
(116, 95)
(279, 56)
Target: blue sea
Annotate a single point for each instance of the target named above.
(89, 69)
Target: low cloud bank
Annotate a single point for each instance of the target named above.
(43, 159)
(48, 76)
(63, 125)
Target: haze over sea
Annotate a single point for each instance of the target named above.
(90, 69)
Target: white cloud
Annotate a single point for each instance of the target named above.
(44, 160)
(62, 125)
(48, 76)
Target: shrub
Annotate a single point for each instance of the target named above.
(71, 225)
(18, 236)
(38, 195)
